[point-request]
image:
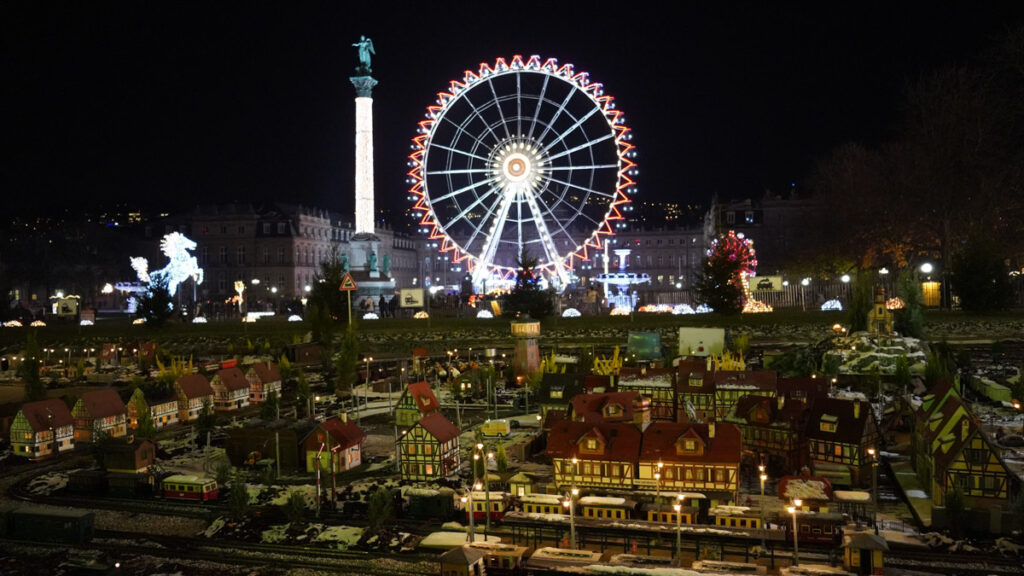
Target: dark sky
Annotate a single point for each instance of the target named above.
(162, 105)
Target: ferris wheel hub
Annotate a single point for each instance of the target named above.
(516, 164)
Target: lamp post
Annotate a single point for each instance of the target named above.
(763, 478)
(796, 545)
(472, 536)
(874, 486)
(477, 455)
(366, 387)
(657, 482)
(679, 527)
(569, 503)
(804, 284)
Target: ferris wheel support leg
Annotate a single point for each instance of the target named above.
(545, 239)
(483, 264)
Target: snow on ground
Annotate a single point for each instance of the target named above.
(199, 462)
(813, 570)
(916, 494)
(284, 493)
(448, 540)
(344, 536)
(214, 527)
(805, 489)
(276, 533)
(599, 569)
(48, 483)
(453, 527)
(904, 538)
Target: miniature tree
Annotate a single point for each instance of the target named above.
(501, 458)
(223, 471)
(527, 298)
(207, 420)
(270, 406)
(345, 364)
(723, 272)
(238, 497)
(862, 300)
(295, 508)
(901, 375)
(304, 393)
(28, 370)
(145, 427)
(380, 510)
(909, 320)
(155, 304)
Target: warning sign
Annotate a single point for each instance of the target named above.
(347, 284)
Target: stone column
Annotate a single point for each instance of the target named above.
(364, 153)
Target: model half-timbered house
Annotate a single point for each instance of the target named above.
(162, 405)
(263, 378)
(230, 389)
(839, 433)
(594, 454)
(194, 394)
(41, 429)
(99, 412)
(416, 401)
(691, 457)
(430, 449)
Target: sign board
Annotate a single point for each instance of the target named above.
(411, 297)
(347, 284)
(645, 345)
(701, 341)
(766, 284)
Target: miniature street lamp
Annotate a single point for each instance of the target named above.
(763, 477)
(478, 454)
(679, 528)
(657, 481)
(469, 495)
(366, 388)
(570, 504)
(796, 545)
(874, 486)
(575, 462)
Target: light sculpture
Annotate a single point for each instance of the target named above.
(182, 264)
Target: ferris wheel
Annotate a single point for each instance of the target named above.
(522, 155)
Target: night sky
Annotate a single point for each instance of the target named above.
(162, 105)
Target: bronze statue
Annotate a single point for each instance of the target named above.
(365, 46)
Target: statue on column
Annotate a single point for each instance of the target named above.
(365, 46)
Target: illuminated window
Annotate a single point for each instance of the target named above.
(591, 444)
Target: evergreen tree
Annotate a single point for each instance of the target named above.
(304, 393)
(345, 364)
(145, 427)
(155, 304)
(717, 284)
(295, 508)
(268, 410)
(501, 458)
(862, 300)
(238, 497)
(980, 277)
(527, 298)
(223, 472)
(326, 304)
(380, 510)
(28, 370)
(207, 420)
(909, 320)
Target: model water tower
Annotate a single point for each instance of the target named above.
(526, 359)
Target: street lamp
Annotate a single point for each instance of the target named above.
(679, 527)
(366, 387)
(763, 477)
(874, 486)
(804, 284)
(570, 504)
(478, 454)
(796, 545)
(657, 482)
(472, 536)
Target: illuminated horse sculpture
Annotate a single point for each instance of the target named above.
(182, 265)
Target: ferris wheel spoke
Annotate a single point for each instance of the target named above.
(581, 188)
(581, 167)
(471, 206)
(572, 129)
(519, 105)
(478, 114)
(540, 101)
(455, 193)
(458, 151)
(458, 171)
(497, 105)
(550, 250)
(557, 115)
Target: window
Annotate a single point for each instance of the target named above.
(223, 229)
(730, 217)
(266, 254)
(690, 445)
(748, 216)
(280, 255)
(976, 456)
(280, 227)
(591, 444)
(266, 227)
(223, 255)
(240, 255)
(241, 229)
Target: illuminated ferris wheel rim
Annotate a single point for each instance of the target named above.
(519, 168)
